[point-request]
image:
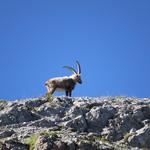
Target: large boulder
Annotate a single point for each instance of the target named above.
(14, 145)
(141, 138)
(97, 118)
(16, 115)
(78, 123)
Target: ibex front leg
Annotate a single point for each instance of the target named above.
(68, 93)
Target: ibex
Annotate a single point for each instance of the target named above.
(66, 83)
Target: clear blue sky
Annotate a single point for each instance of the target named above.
(111, 40)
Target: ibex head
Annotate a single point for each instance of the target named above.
(76, 74)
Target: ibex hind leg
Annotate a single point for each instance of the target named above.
(67, 93)
(49, 95)
(70, 94)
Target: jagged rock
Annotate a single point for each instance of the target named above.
(86, 145)
(71, 145)
(73, 112)
(146, 121)
(141, 138)
(6, 133)
(141, 113)
(15, 115)
(76, 123)
(44, 122)
(44, 143)
(53, 110)
(98, 117)
(36, 102)
(126, 119)
(14, 145)
(59, 145)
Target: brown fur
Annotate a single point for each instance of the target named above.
(66, 84)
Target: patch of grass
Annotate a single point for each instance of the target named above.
(121, 145)
(120, 97)
(49, 97)
(103, 139)
(126, 137)
(32, 140)
(3, 102)
(50, 133)
(1, 144)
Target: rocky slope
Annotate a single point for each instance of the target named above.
(61, 123)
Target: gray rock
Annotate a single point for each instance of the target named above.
(98, 117)
(50, 142)
(71, 145)
(78, 123)
(141, 138)
(14, 145)
(15, 115)
(36, 102)
(141, 113)
(146, 122)
(6, 133)
(51, 110)
(73, 112)
(59, 145)
(45, 122)
(86, 145)
(125, 120)
(44, 143)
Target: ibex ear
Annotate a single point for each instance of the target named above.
(78, 67)
(71, 69)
